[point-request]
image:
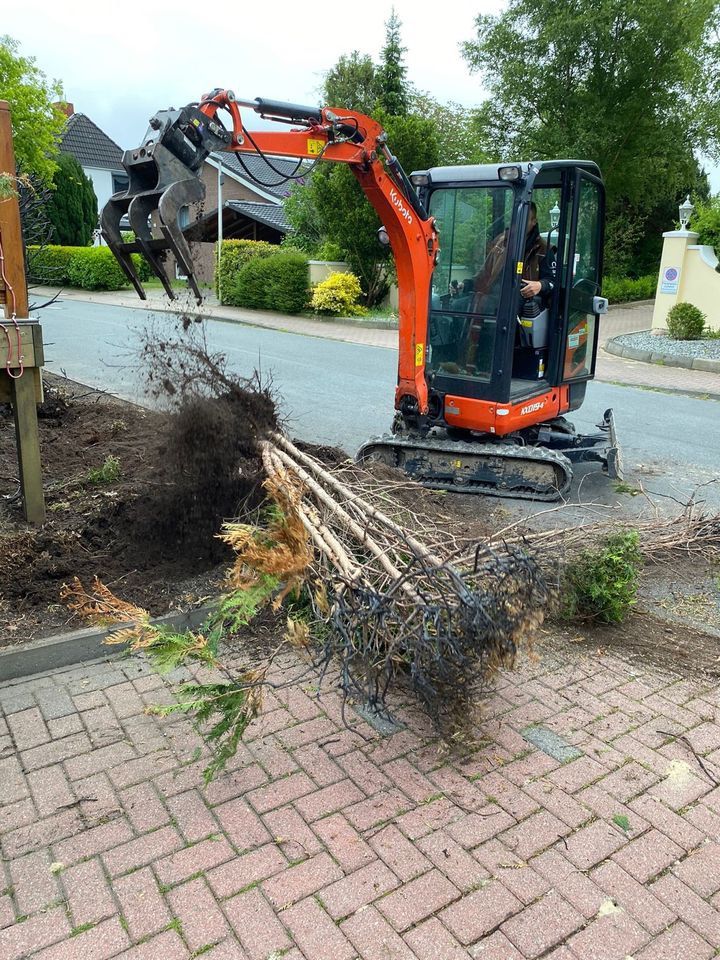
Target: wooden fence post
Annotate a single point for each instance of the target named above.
(23, 383)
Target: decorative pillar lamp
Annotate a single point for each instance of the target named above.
(686, 211)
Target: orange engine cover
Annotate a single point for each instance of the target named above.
(486, 416)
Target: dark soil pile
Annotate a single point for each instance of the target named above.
(147, 523)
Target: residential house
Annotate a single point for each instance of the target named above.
(98, 155)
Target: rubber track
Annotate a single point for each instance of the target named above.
(479, 451)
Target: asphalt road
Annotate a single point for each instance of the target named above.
(342, 394)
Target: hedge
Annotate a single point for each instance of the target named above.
(90, 268)
(233, 257)
(279, 282)
(625, 290)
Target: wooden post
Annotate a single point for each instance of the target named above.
(15, 296)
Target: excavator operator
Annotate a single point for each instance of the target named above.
(538, 274)
(538, 281)
(539, 263)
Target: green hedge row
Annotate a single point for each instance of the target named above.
(625, 290)
(233, 257)
(90, 268)
(262, 276)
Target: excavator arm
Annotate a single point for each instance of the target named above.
(164, 177)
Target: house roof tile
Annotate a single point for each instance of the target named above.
(256, 171)
(268, 213)
(89, 145)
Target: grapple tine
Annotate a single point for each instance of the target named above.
(140, 211)
(112, 214)
(178, 195)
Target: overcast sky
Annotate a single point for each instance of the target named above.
(121, 62)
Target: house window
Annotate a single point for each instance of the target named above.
(120, 182)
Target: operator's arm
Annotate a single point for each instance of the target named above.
(548, 271)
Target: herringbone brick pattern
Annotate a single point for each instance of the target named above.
(321, 842)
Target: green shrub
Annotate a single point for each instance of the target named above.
(329, 251)
(233, 257)
(685, 322)
(338, 296)
(109, 472)
(625, 290)
(90, 268)
(50, 264)
(602, 584)
(95, 268)
(247, 289)
(279, 282)
(706, 221)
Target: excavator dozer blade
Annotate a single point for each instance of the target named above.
(613, 458)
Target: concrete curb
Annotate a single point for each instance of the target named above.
(631, 304)
(215, 311)
(67, 649)
(664, 359)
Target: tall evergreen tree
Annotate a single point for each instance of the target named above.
(73, 208)
(393, 92)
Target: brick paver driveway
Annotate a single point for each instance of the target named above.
(321, 845)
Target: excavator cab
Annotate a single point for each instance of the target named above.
(487, 344)
(500, 366)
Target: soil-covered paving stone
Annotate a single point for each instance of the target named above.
(318, 844)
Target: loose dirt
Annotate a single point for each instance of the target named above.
(134, 496)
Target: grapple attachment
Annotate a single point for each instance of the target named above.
(164, 179)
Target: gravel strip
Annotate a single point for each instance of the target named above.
(705, 349)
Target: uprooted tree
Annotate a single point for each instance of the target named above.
(378, 598)
(373, 594)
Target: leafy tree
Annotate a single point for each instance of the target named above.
(308, 229)
(628, 83)
(36, 123)
(393, 91)
(646, 256)
(352, 83)
(706, 221)
(73, 207)
(457, 129)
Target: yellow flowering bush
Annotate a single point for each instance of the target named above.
(338, 296)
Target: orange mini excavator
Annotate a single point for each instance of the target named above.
(498, 325)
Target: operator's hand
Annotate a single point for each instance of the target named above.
(530, 288)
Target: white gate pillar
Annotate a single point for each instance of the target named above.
(670, 286)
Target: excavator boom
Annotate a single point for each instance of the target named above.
(164, 175)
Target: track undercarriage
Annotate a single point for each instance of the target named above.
(536, 466)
